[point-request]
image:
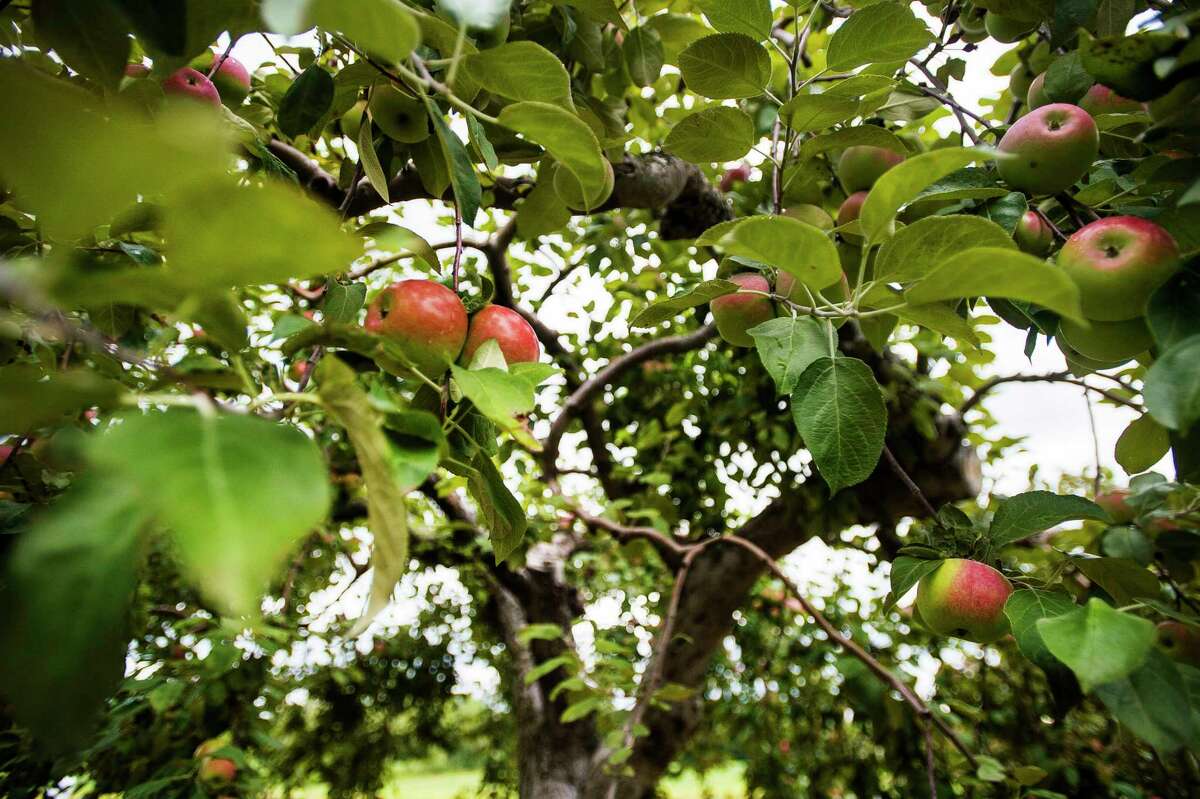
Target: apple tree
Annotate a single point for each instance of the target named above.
(594, 301)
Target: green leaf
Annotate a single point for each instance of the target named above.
(369, 159)
(64, 628)
(811, 112)
(749, 17)
(1024, 608)
(342, 301)
(222, 317)
(907, 572)
(1153, 701)
(643, 53)
(720, 133)
(596, 10)
(30, 399)
(1172, 388)
(581, 709)
(89, 35)
(969, 183)
(567, 138)
(397, 239)
(1123, 579)
(869, 135)
(677, 31)
(903, 182)
(1142, 445)
(484, 14)
(1034, 511)
(502, 514)
(237, 492)
(387, 512)
(547, 667)
(1174, 310)
(838, 408)
(289, 325)
(875, 34)
(1097, 642)
(417, 443)
(1006, 211)
(463, 177)
(500, 396)
(787, 346)
(940, 317)
(306, 101)
(726, 66)
(1066, 80)
(999, 272)
(45, 118)
(385, 28)
(540, 632)
(520, 71)
(919, 248)
(659, 312)
(802, 250)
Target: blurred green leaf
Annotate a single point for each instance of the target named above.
(663, 310)
(1143, 444)
(1097, 642)
(1172, 388)
(30, 399)
(522, 70)
(1154, 703)
(385, 28)
(1124, 580)
(89, 35)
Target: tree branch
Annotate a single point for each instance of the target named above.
(1053, 377)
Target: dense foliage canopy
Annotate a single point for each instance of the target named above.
(513, 310)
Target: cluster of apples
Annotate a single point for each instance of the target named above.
(428, 323)
(229, 82)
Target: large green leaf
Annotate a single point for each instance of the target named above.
(504, 396)
(386, 28)
(567, 138)
(30, 399)
(800, 249)
(643, 54)
(51, 133)
(484, 14)
(89, 35)
(1172, 387)
(812, 112)
(1123, 579)
(1034, 511)
(1024, 608)
(1153, 701)
(906, 572)
(720, 133)
(1174, 311)
(878, 33)
(999, 272)
(306, 101)
(919, 248)
(905, 181)
(237, 492)
(501, 512)
(1143, 443)
(522, 70)
(663, 310)
(468, 192)
(787, 346)
(63, 629)
(726, 66)
(1097, 642)
(751, 17)
(387, 513)
(838, 408)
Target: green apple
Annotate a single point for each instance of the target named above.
(849, 212)
(1033, 234)
(1107, 341)
(1007, 29)
(398, 115)
(1181, 642)
(860, 166)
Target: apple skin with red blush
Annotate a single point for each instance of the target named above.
(425, 320)
(1117, 263)
(516, 337)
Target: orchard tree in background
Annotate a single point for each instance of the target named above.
(234, 382)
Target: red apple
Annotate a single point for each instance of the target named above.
(737, 313)
(1180, 642)
(516, 337)
(1033, 234)
(217, 771)
(232, 79)
(736, 174)
(1049, 149)
(193, 84)
(1118, 263)
(849, 212)
(1103, 100)
(862, 165)
(1116, 504)
(964, 598)
(426, 320)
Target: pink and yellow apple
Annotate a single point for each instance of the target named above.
(1115, 502)
(965, 599)
(1049, 149)
(193, 85)
(425, 320)
(232, 79)
(1117, 263)
(737, 313)
(860, 166)
(1181, 642)
(1033, 234)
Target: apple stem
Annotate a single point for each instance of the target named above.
(458, 241)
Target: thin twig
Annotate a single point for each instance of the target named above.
(217, 62)
(930, 765)
(1095, 442)
(908, 481)
(1054, 377)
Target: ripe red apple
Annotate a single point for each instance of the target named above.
(737, 313)
(1115, 503)
(964, 598)
(217, 771)
(232, 79)
(1036, 96)
(6, 452)
(849, 212)
(1033, 234)
(1103, 100)
(193, 84)
(1180, 642)
(1108, 341)
(735, 174)
(1007, 29)
(1049, 149)
(426, 320)
(1118, 263)
(516, 337)
(862, 165)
